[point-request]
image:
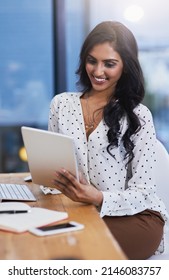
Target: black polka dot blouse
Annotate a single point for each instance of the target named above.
(125, 192)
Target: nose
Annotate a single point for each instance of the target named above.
(99, 69)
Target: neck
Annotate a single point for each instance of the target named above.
(100, 97)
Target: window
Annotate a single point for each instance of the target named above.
(156, 73)
(26, 66)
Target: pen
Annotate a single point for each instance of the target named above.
(14, 211)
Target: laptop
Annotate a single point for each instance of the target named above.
(47, 152)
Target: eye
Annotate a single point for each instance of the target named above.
(90, 60)
(110, 64)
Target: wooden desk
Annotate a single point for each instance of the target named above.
(93, 243)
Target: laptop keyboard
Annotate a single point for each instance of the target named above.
(16, 192)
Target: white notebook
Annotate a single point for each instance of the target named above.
(21, 222)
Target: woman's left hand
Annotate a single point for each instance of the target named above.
(79, 191)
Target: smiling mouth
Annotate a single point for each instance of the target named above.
(100, 80)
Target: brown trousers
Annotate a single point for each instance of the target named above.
(139, 235)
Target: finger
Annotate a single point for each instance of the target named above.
(58, 185)
(82, 179)
(67, 190)
(71, 179)
(61, 178)
(62, 181)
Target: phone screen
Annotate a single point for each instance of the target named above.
(47, 228)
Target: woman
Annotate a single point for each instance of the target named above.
(115, 140)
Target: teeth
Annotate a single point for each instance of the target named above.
(99, 80)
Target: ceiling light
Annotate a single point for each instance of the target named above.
(133, 13)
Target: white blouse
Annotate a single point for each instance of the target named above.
(123, 194)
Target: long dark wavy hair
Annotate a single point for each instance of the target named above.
(129, 90)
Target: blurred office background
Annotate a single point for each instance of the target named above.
(40, 42)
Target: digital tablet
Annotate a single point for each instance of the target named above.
(47, 152)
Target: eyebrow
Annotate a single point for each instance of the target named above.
(105, 60)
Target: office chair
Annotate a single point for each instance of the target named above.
(162, 179)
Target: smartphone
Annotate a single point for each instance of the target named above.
(55, 229)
